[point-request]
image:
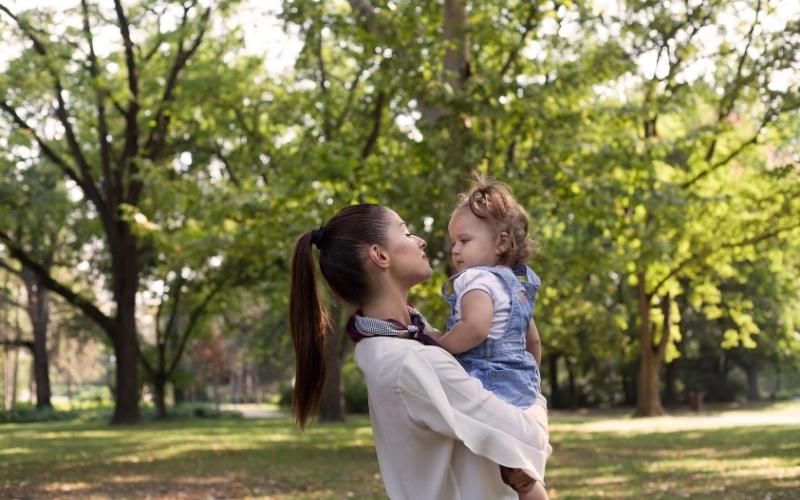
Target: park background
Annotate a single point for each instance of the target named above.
(158, 160)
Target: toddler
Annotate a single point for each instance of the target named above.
(492, 297)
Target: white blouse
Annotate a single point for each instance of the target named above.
(481, 279)
(438, 433)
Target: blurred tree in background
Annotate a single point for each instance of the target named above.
(155, 171)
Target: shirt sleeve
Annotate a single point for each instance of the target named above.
(477, 279)
(439, 395)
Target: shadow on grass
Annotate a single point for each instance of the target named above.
(739, 462)
(271, 458)
(190, 459)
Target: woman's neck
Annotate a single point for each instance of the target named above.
(390, 303)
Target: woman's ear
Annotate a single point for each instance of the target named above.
(503, 243)
(378, 256)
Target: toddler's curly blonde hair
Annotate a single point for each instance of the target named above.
(492, 202)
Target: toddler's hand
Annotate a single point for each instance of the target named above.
(436, 334)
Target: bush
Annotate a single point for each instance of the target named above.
(355, 390)
(195, 410)
(286, 396)
(27, 413)
(90, 411)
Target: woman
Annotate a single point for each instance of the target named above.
(438, 433)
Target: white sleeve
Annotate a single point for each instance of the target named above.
(477, 279)
(438, 394)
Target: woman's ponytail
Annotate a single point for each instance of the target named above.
(308, 323)
(342, 242)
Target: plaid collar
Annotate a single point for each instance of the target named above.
(360, 327)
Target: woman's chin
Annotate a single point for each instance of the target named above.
(424, 275)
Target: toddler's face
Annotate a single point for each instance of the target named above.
(473, 240)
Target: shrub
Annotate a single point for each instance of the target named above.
(355, 390)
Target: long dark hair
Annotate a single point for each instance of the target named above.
(342, 244)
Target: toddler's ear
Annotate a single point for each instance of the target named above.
(503, 242)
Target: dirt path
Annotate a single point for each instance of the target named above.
(254, 411)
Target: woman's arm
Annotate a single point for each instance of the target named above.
(438, 394)
(476, 320)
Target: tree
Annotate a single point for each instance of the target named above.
(25, 188)
(113, 118)
(683, 152)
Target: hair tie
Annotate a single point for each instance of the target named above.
(317, 235)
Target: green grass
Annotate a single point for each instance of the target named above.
(753, 453)
(737, 454)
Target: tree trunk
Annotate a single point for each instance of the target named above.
(68, 378)
(648, 400)
(126, 408)
(7, 376)
(629, 371)
(124, 338)
(31, 384)
(179, 394)
(776, 385)
(259, 397)
(752, 383)
(670, 391)
(454, 31)
(217, 395)
(553, 375)
(12, 395)
(573, 391)
(38, 309)
(232, 385)
(331, 406)
(159, 390)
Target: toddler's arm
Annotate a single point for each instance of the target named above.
(533, 344)
(476, 320)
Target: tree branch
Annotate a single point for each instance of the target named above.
(157, 136)
(351, 91)
(526, 29)
(64, 291)
(194, 317)
(176, 302)
(159, 40)
(28, 344)
(666, 328)
(131, 148)
(366, 14)
(102, 125)
(732, 155)
(729, 97)
(377, 114)
(146, 364)
(323, 83)
(734, 244)
(732, 90)
(48, 152)
(61, 113)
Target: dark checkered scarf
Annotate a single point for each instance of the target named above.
(360, 327)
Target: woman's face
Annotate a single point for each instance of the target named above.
(409, 263)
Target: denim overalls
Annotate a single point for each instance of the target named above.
(503, 365)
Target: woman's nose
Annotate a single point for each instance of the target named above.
(422, 243)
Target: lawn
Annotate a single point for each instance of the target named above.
(730, 454)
